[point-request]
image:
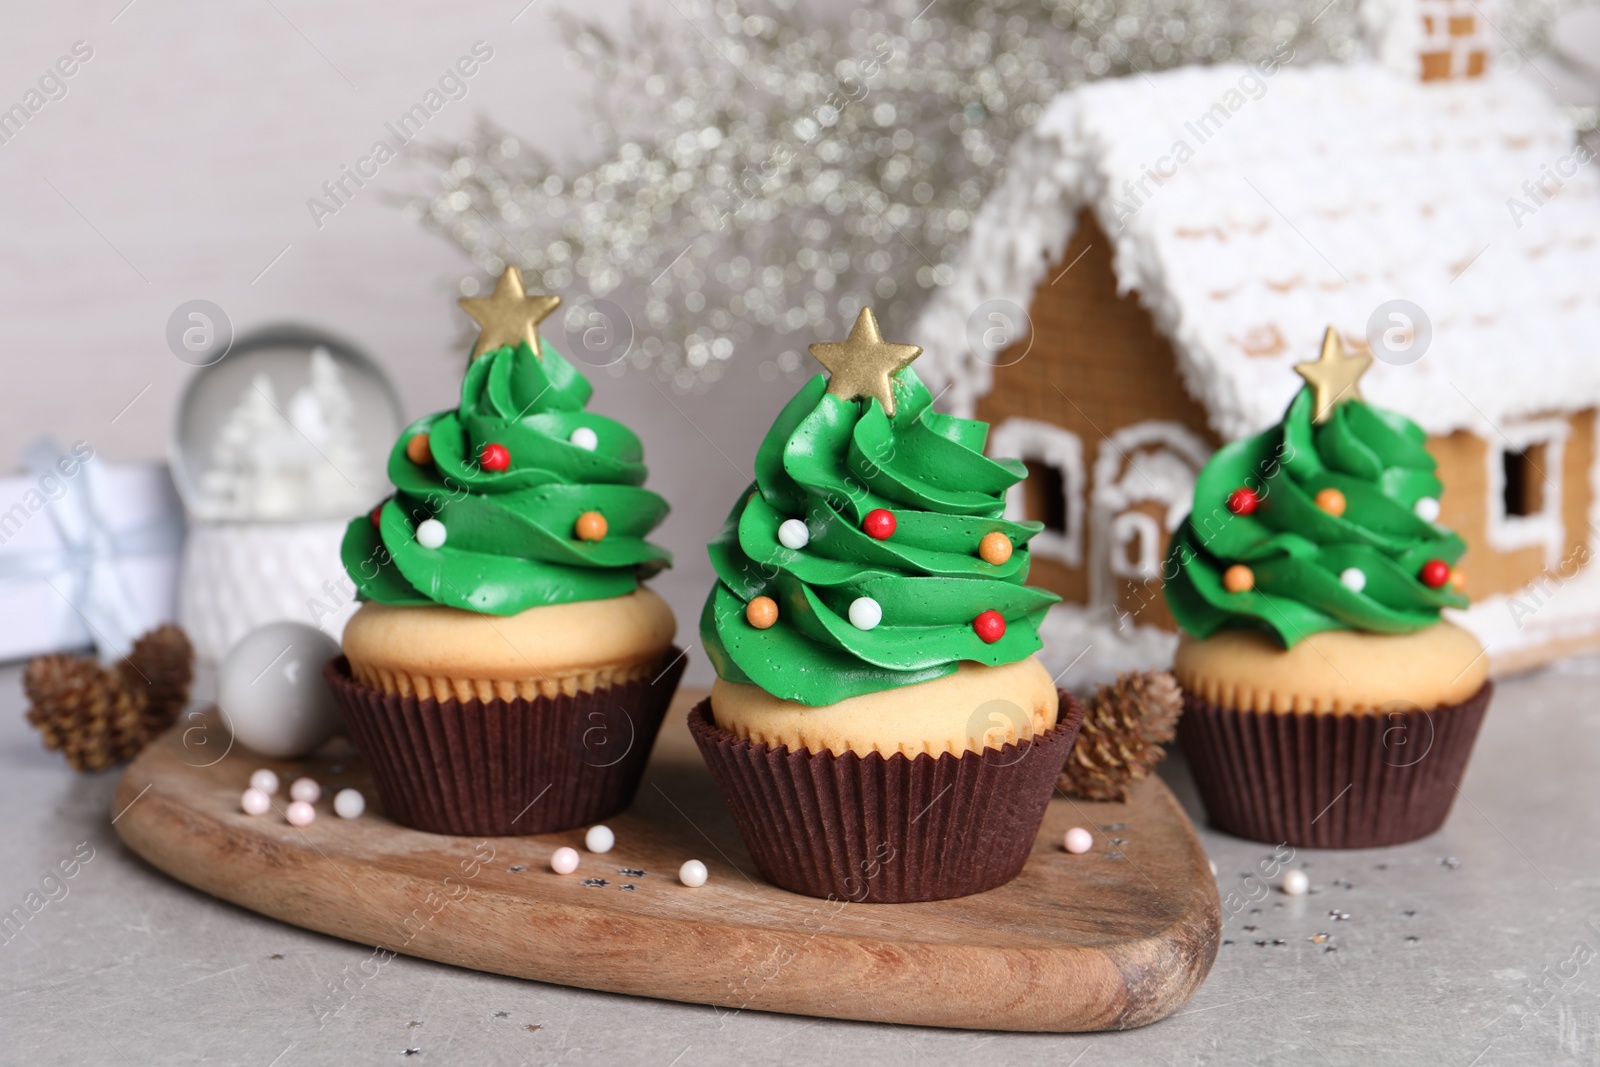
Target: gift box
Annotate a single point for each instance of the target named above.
(88, 552)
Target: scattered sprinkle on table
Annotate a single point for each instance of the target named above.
(599, 839)
(349, 804)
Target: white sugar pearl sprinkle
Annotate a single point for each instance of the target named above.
(431, 533)
(305, 789)
(599, 839)
(1077, 840)
(794, 533)
(349, 804)
(1296, 882)
(585, 438)
(693, 874)
(1354, 579)
(564, 860)
(301, 813)
(1427, 509)
(264, 780)
(865, 613)
(255, 802)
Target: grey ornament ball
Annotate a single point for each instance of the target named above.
(271, 691)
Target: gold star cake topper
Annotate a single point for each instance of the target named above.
(510, 316)
(864, 364)
(1334, 375)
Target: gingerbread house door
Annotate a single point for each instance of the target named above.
(1143, 486)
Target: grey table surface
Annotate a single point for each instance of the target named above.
(1476, 946)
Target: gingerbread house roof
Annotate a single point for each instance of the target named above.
(1249, 212)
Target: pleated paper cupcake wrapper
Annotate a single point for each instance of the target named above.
(870, 829)
(1330, 780)
(496, 768)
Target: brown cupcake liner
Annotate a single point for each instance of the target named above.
(887, 830)
(1330, 780)
(496, 768)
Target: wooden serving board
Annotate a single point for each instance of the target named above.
(1115, 938)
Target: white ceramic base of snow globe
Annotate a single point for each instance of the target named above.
(238, 575)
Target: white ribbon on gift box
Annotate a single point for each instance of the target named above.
(85, 569)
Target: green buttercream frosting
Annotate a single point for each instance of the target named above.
(1296, 550)
(510, 541)
(829, 462)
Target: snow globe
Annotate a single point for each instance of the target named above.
(276, 445)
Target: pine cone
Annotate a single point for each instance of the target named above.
(98, 716)
(1124, 726)
(1162, 700)
(84, 710)
(162, 665)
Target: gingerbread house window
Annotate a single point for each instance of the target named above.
(1525, 464)
(1044, 496)
(1523, 493)
(1053, 493)
(1136, 546)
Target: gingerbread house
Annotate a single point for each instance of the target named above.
(1164, 248)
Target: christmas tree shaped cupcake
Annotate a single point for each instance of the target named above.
(879, 725)
(1327, 702)
(509, 670)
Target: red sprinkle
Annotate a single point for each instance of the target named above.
(990, 626)
(494, 457)
(879, 524)
(1435, 573)
(376, 512)
(1243, 501)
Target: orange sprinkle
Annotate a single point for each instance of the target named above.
(995, 548)
(761, 612)
(591, 526)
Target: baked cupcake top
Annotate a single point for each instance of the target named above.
(519, 497)
(1327, 521)
(853, 564)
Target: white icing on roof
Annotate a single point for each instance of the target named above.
(1312, 197)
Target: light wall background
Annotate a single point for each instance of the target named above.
(178, 166)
